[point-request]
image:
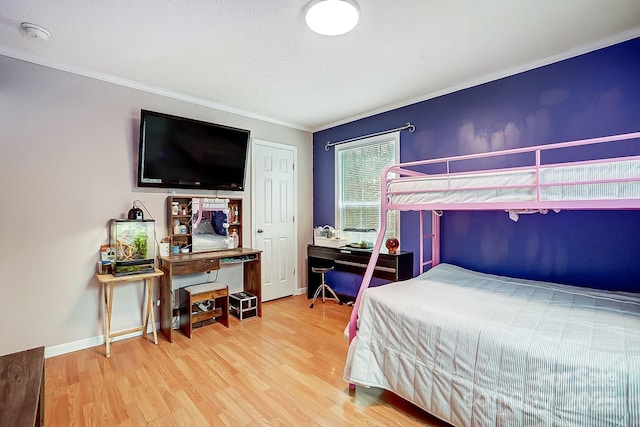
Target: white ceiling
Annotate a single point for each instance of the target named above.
(257, 58)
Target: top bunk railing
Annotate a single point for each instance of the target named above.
(584, 174)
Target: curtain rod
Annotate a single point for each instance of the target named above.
(409, 126)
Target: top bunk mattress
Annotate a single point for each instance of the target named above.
(557, 183)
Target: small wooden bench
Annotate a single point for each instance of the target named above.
(193, 297)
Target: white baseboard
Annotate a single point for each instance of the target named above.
(86, 343)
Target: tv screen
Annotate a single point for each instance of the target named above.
(176, 152)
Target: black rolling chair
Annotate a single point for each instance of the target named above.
(323, 288)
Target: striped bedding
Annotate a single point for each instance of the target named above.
(472, 187)
(476, 350)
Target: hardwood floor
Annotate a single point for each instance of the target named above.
(282, 369)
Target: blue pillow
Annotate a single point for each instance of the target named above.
(218, 221)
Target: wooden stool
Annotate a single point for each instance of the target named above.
(192, 298)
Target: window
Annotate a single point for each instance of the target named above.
(358, 166)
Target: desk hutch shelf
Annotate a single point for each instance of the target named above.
(184, 217)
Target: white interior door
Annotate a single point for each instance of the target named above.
(274, 208)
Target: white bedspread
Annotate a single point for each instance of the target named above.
(483, 350)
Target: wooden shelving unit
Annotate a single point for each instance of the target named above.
(235, 218)
(183, 218)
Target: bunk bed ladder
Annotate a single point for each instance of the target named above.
(368, 274)
(366, 280)
(434, 236)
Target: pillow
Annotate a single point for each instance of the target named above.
(218, 221)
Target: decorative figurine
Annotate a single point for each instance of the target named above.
(392, 245)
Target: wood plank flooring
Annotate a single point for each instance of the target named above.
(284, 369)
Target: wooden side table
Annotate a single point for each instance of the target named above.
(108, 281)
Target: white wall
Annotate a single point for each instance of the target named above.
(69, 149)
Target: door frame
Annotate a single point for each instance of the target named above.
(270, 144)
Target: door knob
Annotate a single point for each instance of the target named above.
(260, 230)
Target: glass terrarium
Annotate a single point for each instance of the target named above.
(363, 238)
(135, 247)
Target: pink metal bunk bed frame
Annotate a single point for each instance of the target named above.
(537, 204)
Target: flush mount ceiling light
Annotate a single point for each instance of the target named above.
(35, 31)
(332, 17)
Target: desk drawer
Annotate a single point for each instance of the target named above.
(198, 266)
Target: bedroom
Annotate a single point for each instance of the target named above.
(56, 215)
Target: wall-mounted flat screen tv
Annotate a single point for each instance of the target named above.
(177, 152)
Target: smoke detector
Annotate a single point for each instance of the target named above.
(35, 31)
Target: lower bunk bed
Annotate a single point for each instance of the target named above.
(476, 349)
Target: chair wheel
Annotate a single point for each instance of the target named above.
(311, 306)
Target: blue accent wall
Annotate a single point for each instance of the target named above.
(595, 94)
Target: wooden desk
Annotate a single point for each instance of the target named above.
(108, 281)
(390, 267)
(202, 262)
(22, 388)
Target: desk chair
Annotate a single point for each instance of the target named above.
(323, 286)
